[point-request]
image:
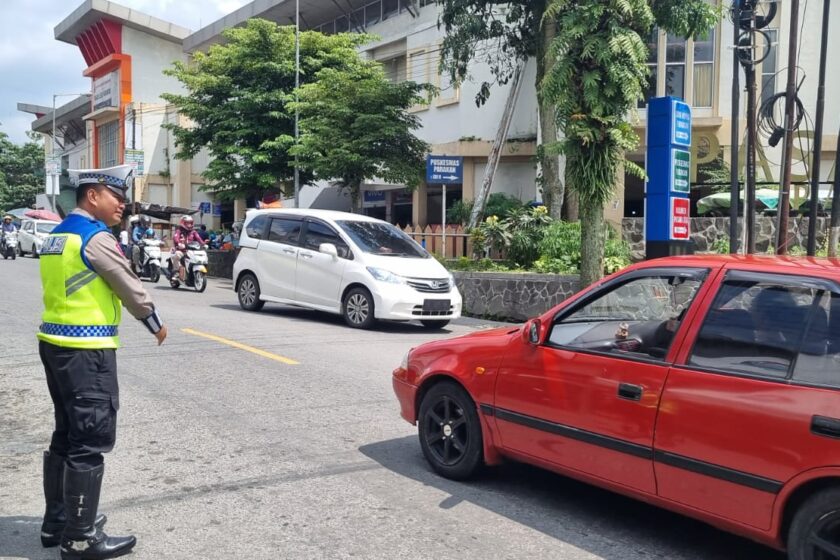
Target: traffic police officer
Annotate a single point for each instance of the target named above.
(86, 281)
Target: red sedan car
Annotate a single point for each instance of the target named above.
(706, 385)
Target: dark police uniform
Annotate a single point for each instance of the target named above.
(86, 281)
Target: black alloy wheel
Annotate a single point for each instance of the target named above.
(815, 531)
(450, 431)
(249, 293)
(357, 309)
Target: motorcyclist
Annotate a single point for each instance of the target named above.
(137, 234)
(7, 227)
(183, 236)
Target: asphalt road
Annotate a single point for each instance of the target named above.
(226, 453)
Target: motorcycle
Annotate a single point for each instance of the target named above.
(149, 260)
(195, 265)
(8, 246)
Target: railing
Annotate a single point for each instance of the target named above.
(458, 243)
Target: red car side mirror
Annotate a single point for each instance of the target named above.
(531, 332)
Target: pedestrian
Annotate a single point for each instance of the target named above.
(86, 281)
(124, 241)
(202, 233)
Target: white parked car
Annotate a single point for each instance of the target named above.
(32, 235)
(360, 267)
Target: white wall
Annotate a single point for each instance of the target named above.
(513, 178)
(150, 55)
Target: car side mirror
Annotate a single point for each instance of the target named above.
(531, 332)
(328, 249)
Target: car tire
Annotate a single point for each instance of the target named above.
(248, 293)
(357, 309)
(20, 250)
(434, 324)
(816, 521)
(450, 431)
(34, 253)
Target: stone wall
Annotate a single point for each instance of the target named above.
(705, 231)
(513, 296)
(220, 263)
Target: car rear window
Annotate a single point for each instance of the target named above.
(256, 227)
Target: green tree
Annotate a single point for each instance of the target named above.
(237, 102)
(21, 171)
(598, 77)
(500, 35)
(355, 125)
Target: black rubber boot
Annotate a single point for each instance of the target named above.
(82, 540)
(54, 518)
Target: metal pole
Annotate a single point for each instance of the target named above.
(735, 187)
(749, 202)
(790, 94)
(443, 219)
(52, 155)
(818, 130)
(835, 208)
(297, 85)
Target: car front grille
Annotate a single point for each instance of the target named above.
(429, 285)
(417, 311)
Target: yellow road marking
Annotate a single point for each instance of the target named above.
(245, 347)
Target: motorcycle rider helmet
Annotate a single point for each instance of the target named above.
(145, 222)
(187, 223)
(150, 232)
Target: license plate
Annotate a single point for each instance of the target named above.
(435, 305)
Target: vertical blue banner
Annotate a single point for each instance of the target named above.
(668, 166)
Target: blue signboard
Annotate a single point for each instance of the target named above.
(444, 170)
(668, 164)
(374, 196)
(204, 207)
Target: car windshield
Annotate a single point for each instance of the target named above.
(46, 228)
(382, 239)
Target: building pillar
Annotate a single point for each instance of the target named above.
(468, 188)
(419, 205)
(239, 207)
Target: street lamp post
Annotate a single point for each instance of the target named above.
(54, 184)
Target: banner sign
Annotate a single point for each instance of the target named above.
(106, 91)
(444, 170)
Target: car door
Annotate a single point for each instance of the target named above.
(27, 236)
(278, 256)
(586, 399)
(318, 279)
(755, 401)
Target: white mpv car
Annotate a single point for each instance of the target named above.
(360, 267)
(32, 234)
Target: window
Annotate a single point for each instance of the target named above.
(357, 20)
(341, 24)
(768, 67)
(394, 69)
(107, 135)
(256, 227)
(390, 8)
(317, 233)
(704, 70)
(681, 68)
(753, 327)
(818, 362)
(379, 238)
(373, 13)
(639, 317)
(419, 70)
(675, 66)
(284, 230)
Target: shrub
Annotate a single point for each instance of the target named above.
(498, 204)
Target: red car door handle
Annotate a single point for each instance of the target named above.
(629, 392)
(825, 426)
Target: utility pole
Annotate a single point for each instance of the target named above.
(735, 186)
(496, 149)
(818, 132)
(790, 95)
(297, 85)
(749, 203)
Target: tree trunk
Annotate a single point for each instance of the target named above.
(591, 243)
(551, 165)
(355, 198)
(571, 207)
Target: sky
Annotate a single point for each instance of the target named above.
(34, 65)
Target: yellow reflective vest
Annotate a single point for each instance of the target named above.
(80, 309)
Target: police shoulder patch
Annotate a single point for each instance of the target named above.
(54, 245)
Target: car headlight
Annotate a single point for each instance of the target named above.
(385, 275)
(451, 281)
(404, 362)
